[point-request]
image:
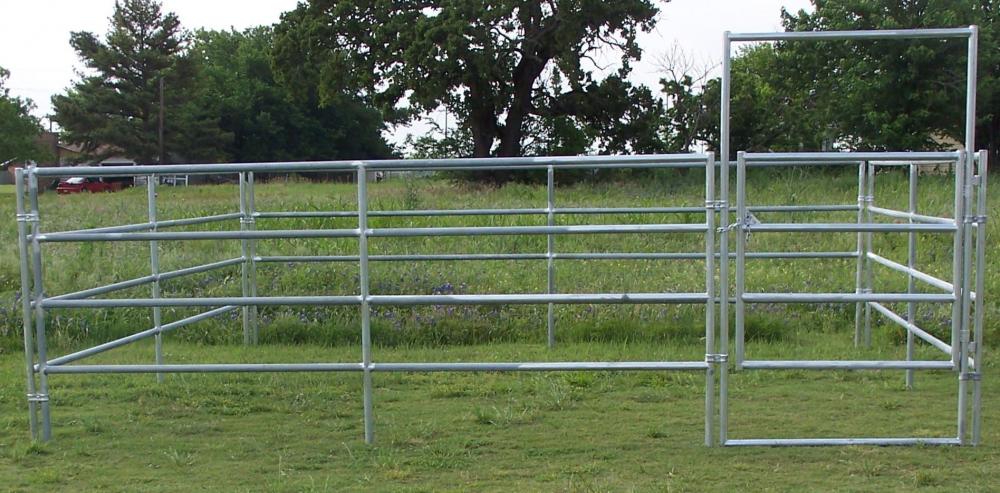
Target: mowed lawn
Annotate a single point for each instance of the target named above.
(575, 431)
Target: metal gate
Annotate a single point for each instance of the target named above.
(967, 226)
(966, 330)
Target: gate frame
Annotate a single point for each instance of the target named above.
(962, 225)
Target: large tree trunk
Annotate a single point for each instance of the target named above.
(482, 122)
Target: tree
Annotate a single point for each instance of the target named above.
(864, 95)
(771, 107)
(498, 66)
(266, 123)
(114, 107)
(901, 94)
(18, 128)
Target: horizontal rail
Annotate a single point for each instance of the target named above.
(543, 256)
(539, 230)
(189, 221)
(217, 301)
(531, 299)
(201, 235)
(468, 299)
(539, 211)
(821, 442)
(138, 336)
(541, 162)
(920, 218)
(385, 367)
(845, 297)
(922, 276)
(842, 157)
(917, 331)
(847, 228)
(896, 266)
(801, 208)
(264, 234)
(544, 366)
(86, 293)
(845, 365)
(483, 212)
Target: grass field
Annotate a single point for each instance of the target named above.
(522, 432)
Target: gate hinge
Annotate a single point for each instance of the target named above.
(977, 220)
(716, 358)
(867, 199)
(971, 376)
(38, 397)
(28, 217)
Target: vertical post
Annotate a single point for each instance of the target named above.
(869, 267)
(911, 282)
(724, 244)
(977, 393)
(29, 350)
(741, 246)
(862, 255)
(966, 371)
(154, 265)
(957, 263)
(252, 226)
(245, 252)
(36, 267)
(972, 62)
(366, 335)
(550, 252)
(710, 351)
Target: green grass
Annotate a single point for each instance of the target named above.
(523, 432)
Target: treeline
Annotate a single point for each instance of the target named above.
(517, 77)
(221, 98)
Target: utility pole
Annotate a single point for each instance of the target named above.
(161, 122)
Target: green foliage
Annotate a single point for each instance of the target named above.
(498, 66)
(18, 128)
(114, 107)
(865, 95)
(266, 123)
(770, 110)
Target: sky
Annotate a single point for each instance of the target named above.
(34, 36)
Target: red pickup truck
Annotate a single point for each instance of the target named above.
(79, 184)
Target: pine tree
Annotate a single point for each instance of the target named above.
(114, 107)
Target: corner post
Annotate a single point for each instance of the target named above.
(245, 253)
(967, 371)
(42, 396)
(957, 262)
(29, 343)
(911, 283)
(710, 351)
(862, 255)
(869, 245)
(251, 218)
(366, 334)
(154, 264)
